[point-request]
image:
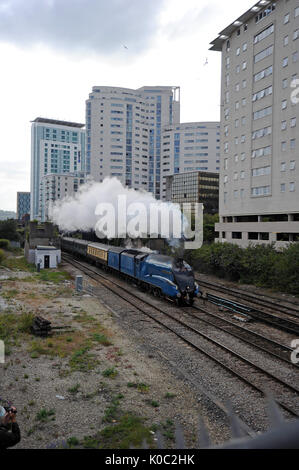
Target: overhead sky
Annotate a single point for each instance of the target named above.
(53, 51)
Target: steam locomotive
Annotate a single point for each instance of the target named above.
(163, 276)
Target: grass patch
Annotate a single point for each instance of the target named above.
(169, 395)
(129, 432)
(111, 373)
(13, 325)
(45, 415)
(53, 276)
(82, 360)
(10, 294)
(73, 442)
(18, 264)
(102, 339)
(141, 387)
(74, 389)
(112, 411)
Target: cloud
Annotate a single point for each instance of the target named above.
(98, 26)
(197, 19)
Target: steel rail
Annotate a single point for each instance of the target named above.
(225, 366)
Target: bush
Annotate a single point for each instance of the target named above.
(4, 243)
(261, 265)
(2, 256)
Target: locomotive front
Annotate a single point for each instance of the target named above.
(184, 278)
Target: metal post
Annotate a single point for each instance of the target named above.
(79, 283)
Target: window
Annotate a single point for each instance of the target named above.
(295, 57)
(296, 35)
(244, 47)
(286, 40)
(260, 191)
(283, 166)
(286, 18)
(238, 51)
(283, 146)
(282, 188)
(292, 165)
(258, 134)
(296, 12)
(293, 122)
(285, 62)
(293, 144)
(264, 34)
(262, 94)
(265, 13)
(264, 171)
(263, 54)
(244, 65)
(264, 151)
(283, 125)
(284, 83)
(292, 187)
(262, 113)
(263, 73)
(284, 104)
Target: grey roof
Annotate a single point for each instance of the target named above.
(227, 32)
(58, 123)
(47, 248)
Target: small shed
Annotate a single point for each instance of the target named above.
(48, 257)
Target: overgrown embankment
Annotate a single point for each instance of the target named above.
(260, 265)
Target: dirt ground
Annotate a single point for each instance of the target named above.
(89, 385)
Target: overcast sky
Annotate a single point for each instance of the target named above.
(53, 51)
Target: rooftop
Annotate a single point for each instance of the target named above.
(227, 32)
(58, 123)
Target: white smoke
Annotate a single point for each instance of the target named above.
(79, 212)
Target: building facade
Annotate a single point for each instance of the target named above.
(23, 204)
(56, 147)
(57, 186)
(124, 133)
(190, 147)
(259, 171)
(194, 187)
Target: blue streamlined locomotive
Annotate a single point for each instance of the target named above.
(162, 275)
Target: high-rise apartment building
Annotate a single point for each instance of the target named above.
(190, 147)
(23, 204)
(57, 186)
(124, 133)
(259, 175)
(57, 147)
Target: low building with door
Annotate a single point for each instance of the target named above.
(47, 257)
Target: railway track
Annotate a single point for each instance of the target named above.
(292, 309)
(285, 323)
(261, 342)
(234, 363)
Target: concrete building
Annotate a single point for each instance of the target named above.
(190, 147)
(47, 257)
(40, 235)
(56, 147)
(124, 133)
(194, 187)
(259, 175)
(23, 205)
(57, 186)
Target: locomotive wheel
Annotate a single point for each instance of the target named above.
(156, 292)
